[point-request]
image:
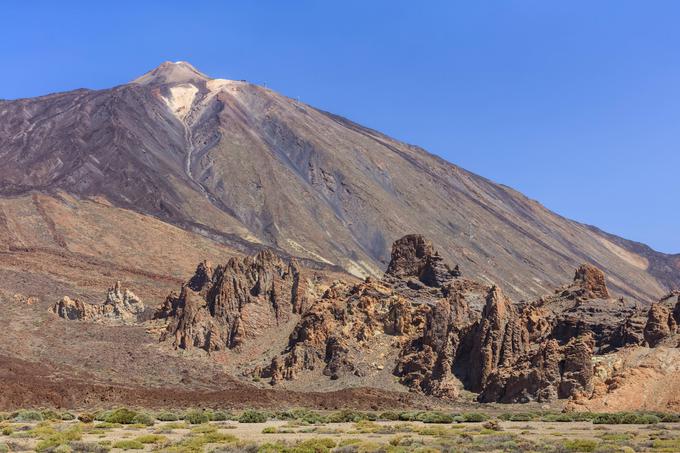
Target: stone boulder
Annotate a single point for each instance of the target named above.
(120, 306)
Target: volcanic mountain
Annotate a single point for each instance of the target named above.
(141, 181)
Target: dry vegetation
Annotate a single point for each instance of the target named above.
(302, 431)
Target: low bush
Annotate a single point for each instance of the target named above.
(219, 416)
(167, 417)
(270, 430)
(322, 445)
(27, 416)
(128, 445)
(625, 418)
(580, 445)
(196, 417)
(474, 417)
(348, 416)
(144, 419)
(253, 417)
(518, 417)
(151, 439)
(563, 417)
(88, 447)
(123, 416)
(49, 414)
(51, 439)
(389, 415)
(435, 417)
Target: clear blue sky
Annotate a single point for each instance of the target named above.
(574, 103)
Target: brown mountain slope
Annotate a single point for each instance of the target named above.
(246, 166)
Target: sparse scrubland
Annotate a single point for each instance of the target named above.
(303, 431)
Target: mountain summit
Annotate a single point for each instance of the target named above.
(244, 167)
(169, 72)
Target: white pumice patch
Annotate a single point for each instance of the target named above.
(181, 99)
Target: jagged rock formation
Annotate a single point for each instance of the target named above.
(120, 306)
(584, 306)
(498, 340)
(341, 325)
(424, 323)
(413, 256)
(592, 282)
(220, 308)
(662, 322)
(551, 372)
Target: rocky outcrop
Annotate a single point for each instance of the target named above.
(661, 324)
(414, 257)
(499, 339)
(592, 282)
(551, 372)
(427, 363)
(73, 310)
(437, 332)
(420, 305)
(220, 308)
(584, 307)
(120, 306)
(335, 332)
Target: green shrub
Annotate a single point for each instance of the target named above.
(151, 439)
(128, 445)
(408, 416)
(123, 416)
(67, 416)
(7, 430)
(564, 417)
(346, 416)
(580, 445)
(648, 419)
(49, 414)
(27, 416)
(167, 417)
(269, 430)
(668, 418)
(101, 416)
(435, 417)
(4, 448)
(474, 417)
(196, 417)
(322, 445)
(220, 416)
(144, 419)
(88, 447)
(389, 415)
(51, 438)
(253, 417)
(518, 417)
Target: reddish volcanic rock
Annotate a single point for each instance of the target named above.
(414, 256)
(552, 372)
(660, 325)
(592, 281)
(498, 340)
(218, 309)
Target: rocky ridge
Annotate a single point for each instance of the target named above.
(436, 331)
